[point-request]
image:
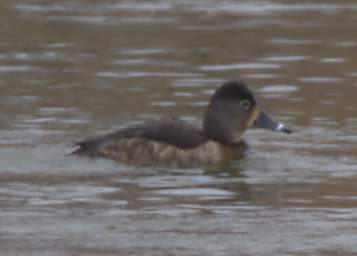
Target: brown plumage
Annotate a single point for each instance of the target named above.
(165, 142)
(172, 142)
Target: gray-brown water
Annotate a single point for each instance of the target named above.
(71, 69)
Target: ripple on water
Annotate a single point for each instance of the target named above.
(40, 195)
(318, 79)
(234, 7)
(22, 56)
(143, 51)
(208, 91)
(39, 158)
(51, 116)
(199, 192)
(182, 178)
(130, 62)
(148, 63)
(279, 89)
(163, 103)
(268, 7)
(103, 7)
(290, 41)
(239, 66)
(144, 74)
(197, 82)
(39, 8)
(41, 56)
(332, 60)
(352, 74)
(261, 76)
(346, 44)
(142, 7)
(291, 58)
(199, 103)
(147, 20)
(183, 94)
(54, 110)
(8, 69)
(58, 45)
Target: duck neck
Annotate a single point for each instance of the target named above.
(221, 129)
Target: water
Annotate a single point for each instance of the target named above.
(70, 69)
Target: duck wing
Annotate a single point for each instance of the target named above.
(169, 131)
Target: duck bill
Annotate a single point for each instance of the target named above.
(265, 122)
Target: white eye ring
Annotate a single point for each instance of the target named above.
(246, 104)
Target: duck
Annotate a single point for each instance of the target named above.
(171, 142)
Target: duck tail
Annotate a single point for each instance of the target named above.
(84, 148)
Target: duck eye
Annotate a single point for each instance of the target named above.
(246, 104)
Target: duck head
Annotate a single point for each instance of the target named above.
(232, 110)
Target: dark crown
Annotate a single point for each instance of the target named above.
(233, 91)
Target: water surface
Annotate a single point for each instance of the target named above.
(71, 69)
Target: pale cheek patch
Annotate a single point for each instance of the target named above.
(254, 116)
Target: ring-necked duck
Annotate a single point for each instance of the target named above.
(171, 142)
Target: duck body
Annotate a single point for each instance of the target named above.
(164, 142)
(174, 143)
